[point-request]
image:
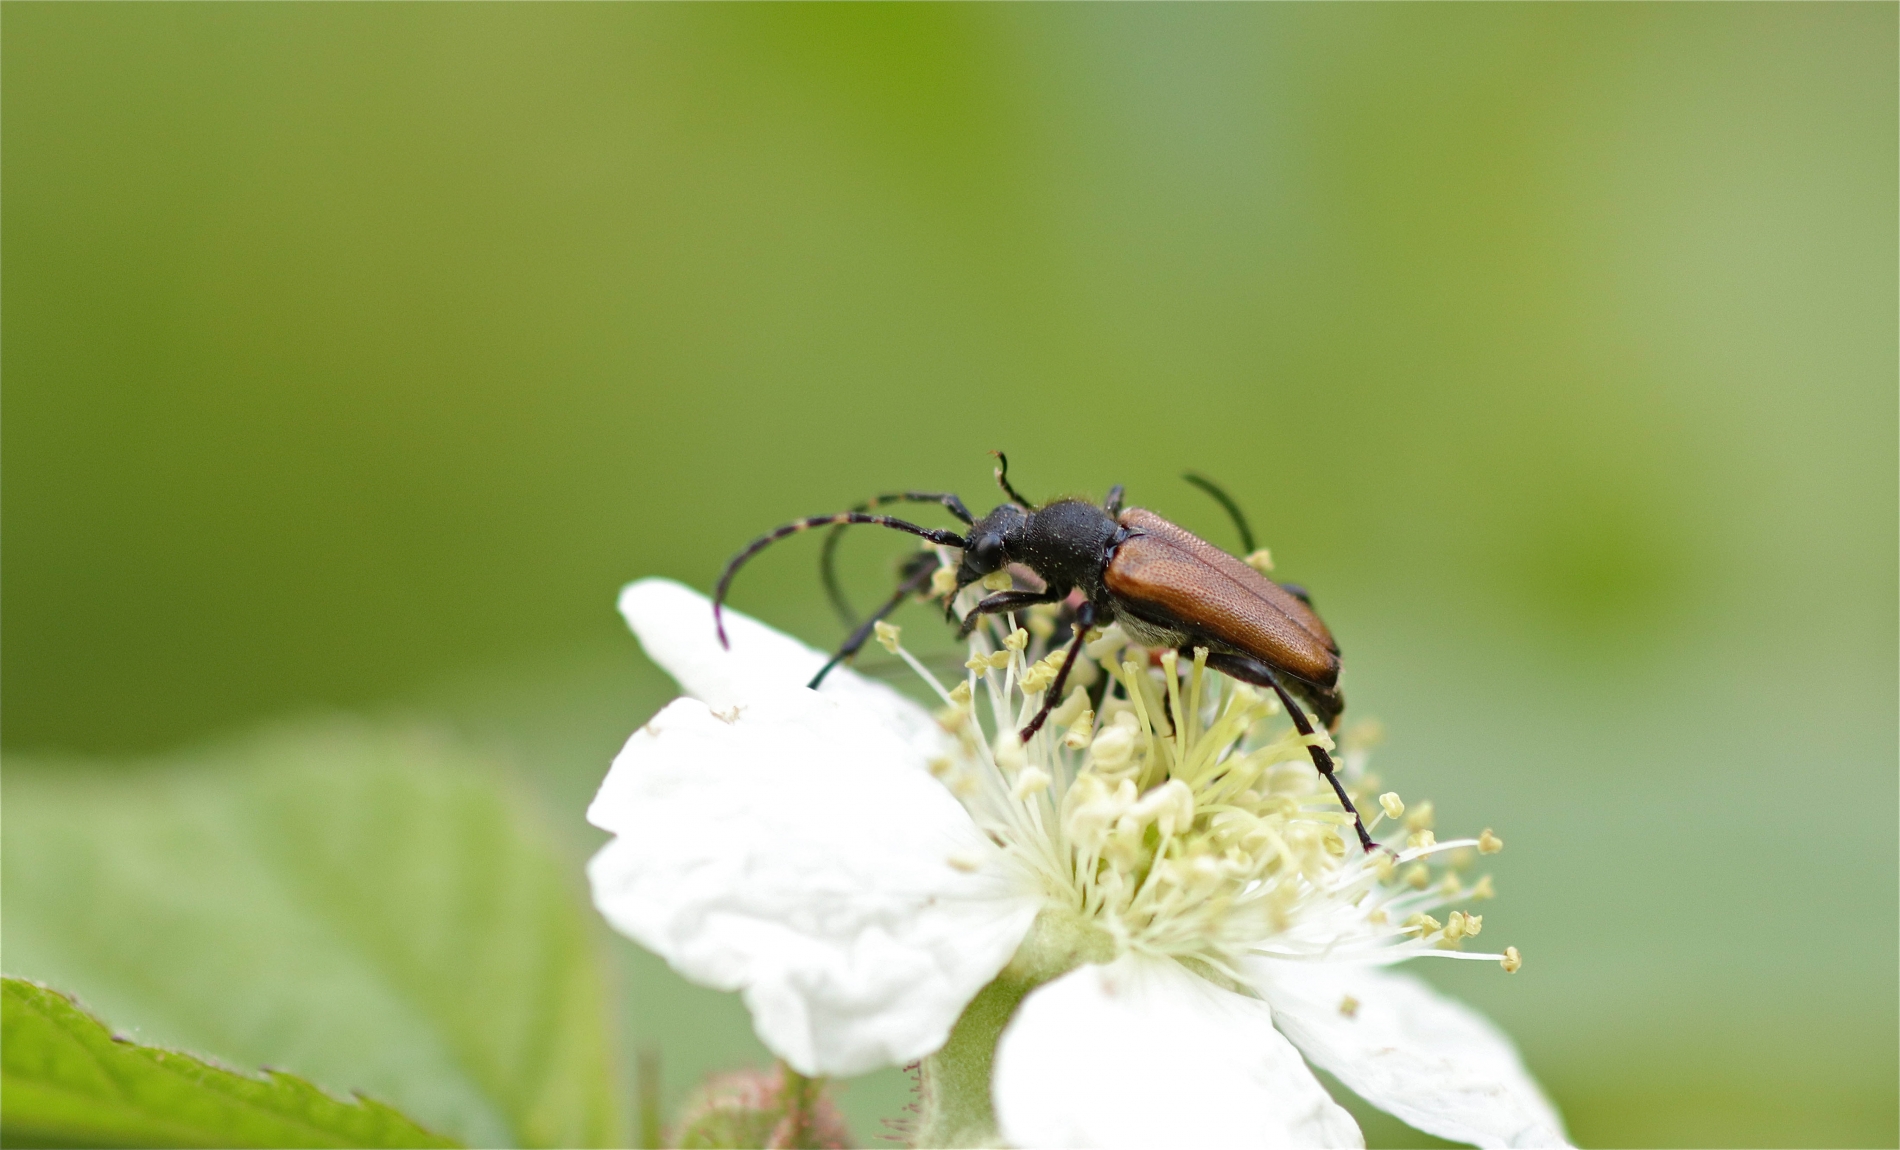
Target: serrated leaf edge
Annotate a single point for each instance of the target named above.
(164, 1057)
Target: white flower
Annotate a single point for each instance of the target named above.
(1164, 919)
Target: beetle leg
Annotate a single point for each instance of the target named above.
(1004, 601)
(1084, 619)
(917, 582)
(1258, 673)
(1113, 504)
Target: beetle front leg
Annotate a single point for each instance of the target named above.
(1258, 673)
(916, 582)
(1084, 619)
(1005, 601)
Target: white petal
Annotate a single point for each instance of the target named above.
(1411, 1052)
(799, 853)
(674, 624)
(1143, 1053)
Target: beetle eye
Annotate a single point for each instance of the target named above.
(988, 550)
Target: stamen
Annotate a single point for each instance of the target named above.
(887, 636)
(1032, 781)
(1488, 843)
(1512, 961)
(1182, 819)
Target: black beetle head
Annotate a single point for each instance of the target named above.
(989, 543)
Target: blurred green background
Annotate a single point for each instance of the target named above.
(354, 356)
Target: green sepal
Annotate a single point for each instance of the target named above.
(955, 1108)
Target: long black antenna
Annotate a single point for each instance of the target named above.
(1233, 509)
(1002, 480)
(935, 535)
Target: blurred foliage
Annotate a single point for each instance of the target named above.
(370, 909)
(68, 1080)
(354, 356)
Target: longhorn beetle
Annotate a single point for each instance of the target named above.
(1166, 586)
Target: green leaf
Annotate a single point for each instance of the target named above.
(374, 910)
(63, 1076)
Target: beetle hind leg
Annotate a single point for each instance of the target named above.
(1254, 671)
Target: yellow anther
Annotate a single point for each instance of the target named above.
(960, 694)
(886, 636)
(1348, 1006)
(943, 581)
(1421, 839)
(1512, 962)
(1033, 780)
(1418, 876)
(951, 719)
(998, 581)
(1037, 678)
(1421, 816)
(1261, 561)
(1080, 731)
(998, 660)
(1016, 640)
(1377, 917)
(1455, 925)
(1483, 889)
(940, 767)
(1333, 844)
(1473, 924)
(978, 662)
(1424, 924)
(1488, 843)
(966, 862)
(1448, 886)
(1113, 748)
(1391, 804)
(1071, 708)
(1383, 866)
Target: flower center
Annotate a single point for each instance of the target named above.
(1185, 818)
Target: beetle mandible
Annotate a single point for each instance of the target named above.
(1166, 586)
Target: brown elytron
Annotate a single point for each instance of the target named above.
(1168, 574)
